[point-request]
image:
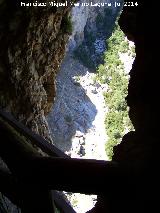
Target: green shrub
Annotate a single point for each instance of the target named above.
(112, 73)
(133, 53)
(124, 47)
(67, 24)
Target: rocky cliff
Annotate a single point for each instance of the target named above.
(84, 19)
(140, 149)
(92, 25)
(77, 117)
(33, 41)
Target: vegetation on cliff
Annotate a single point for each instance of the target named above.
(112, 73)
(87, 52)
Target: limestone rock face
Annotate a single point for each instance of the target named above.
(84, 19)
(33, 41)
(77, 118)
(79, 105)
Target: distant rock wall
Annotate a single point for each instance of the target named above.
(74, 110)
(84, 18)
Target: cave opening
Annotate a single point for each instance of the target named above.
(69, 119)
(90, 114)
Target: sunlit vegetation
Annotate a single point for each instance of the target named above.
(112, 73)
(86, 52)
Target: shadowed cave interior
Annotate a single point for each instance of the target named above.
(32, 48)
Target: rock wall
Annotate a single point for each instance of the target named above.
(77, 119)
(139, 150)
(23, 32)
(33, 42)
(78, 114)
(84, 19)
(74, 118)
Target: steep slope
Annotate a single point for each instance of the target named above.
(77, 119)
(33, 41)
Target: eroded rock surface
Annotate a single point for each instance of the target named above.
(78, 114)
(33, 41)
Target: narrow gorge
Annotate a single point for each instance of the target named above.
(78, 113)
(64, 74)
(77, 118)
